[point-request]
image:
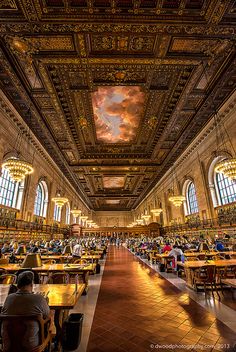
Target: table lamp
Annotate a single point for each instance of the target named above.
(32, 260)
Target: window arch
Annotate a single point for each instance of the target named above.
(223, 190)
(41, 199)
(11, 193)
(191, 203)
(68, 213)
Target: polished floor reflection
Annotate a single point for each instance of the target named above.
(137, 310)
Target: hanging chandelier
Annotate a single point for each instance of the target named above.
(228, 168)
(177, 200)
(60, 201)
(156, 211)
(146, 217)
(18, 169)
(75, 212)
(84, 218)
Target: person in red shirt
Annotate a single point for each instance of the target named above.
(167, 247)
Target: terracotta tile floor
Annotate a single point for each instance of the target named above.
(138, 310)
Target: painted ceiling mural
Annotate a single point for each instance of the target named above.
(117, 113)
(113, 181)
(112, 201)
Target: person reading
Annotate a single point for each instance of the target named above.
(25, 302)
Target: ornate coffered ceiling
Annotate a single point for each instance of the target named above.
(117, 89)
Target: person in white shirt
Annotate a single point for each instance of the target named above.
(77, 250)
(175, 252)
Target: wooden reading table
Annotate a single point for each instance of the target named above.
(191, 266)
(81, 269)
(62, 298)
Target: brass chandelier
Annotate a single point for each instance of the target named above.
(176, 199)
(227, 167)
(75, 212)
(17, 168)
(59, 200)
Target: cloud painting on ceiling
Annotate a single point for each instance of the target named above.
(113, 181)
(117, 113)
(112, 201)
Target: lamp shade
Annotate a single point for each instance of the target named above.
(32, 260)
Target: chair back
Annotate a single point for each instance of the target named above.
(15, 328)
(59, 278)
(201, 257)
(80, 261)
(8, 279)
(210, 272)
(190, 259)
(49, 261)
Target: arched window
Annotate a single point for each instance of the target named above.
(226, 189)
(11, 193)
(223, 190)
(41, 200)
(191, 204)
(57, 213)
(192, 199)
(68, 214)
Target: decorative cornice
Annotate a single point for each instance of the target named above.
(225, 112)
(17, 121)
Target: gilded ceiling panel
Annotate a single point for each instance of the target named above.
(114, 87)
(8, 5)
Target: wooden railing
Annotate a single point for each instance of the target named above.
(6, 223)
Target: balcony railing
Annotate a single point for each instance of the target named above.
(7, 223)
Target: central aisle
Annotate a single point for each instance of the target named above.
(138, 310)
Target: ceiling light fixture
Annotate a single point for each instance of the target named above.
(75, 212)
(176, 199)
(17, 168)
(60, 201)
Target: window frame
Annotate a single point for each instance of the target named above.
(44, 201)
(191, 199)
(227, 183)
(11, 193)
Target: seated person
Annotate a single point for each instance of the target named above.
(25, 302)
(176, 253)
(203, 246)
(166, 248)
(219, 246)
(5, 248)
(77, 250)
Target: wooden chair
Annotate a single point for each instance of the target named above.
(190, 259)
(8, 279)
(228, 272)
(4, 261)
(201, 256)
(80, 261)
(43, 277)
(14, 329)
(58, 278)
(206, 276)
(49, 261)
